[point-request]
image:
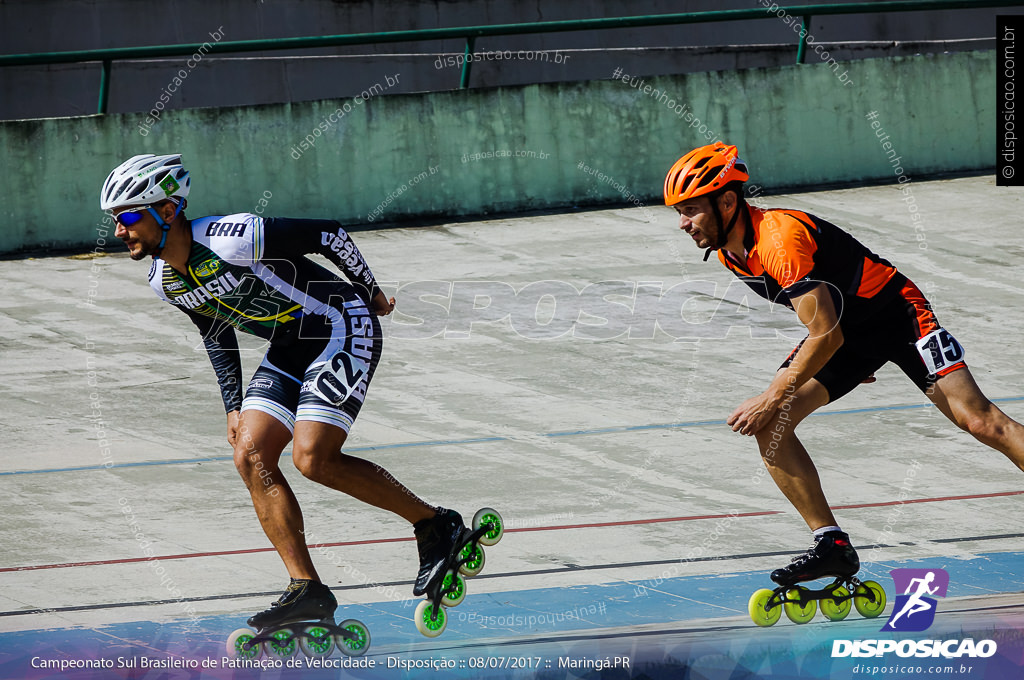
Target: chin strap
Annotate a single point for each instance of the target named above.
(723, 234)
(164, 226)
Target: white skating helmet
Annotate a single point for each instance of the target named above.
(145, 179)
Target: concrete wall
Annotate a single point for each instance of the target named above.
(72, 89)
(237, 80)
(53, 25)
(411, 156)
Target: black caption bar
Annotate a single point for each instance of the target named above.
(1008, 164)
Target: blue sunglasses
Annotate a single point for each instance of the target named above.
(131, 217)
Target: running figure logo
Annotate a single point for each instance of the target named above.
(914, 610)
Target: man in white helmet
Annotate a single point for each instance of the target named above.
(250, 273)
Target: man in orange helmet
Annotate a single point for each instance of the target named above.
(860, 312)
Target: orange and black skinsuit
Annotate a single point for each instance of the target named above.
(882, 314)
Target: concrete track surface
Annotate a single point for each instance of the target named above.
(637, 523)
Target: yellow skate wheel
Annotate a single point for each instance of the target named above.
(359, 644)
(316, 642)
(240, 645)
(866, 607)
(836, 610)
(429, 622)
(796, 613)
(489, 516)
(283, 645)
(454, 588)
(759, 614)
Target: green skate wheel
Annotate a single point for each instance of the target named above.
(489, 516)
(837, 610)
(316, 642)
(283, 644)
(426, 622)
(865, 607)
(796, 613)
(475, 562)
(454, 588)
(239, 646)
(356, 646)
(757, 608)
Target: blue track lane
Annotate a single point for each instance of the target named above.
(496, 622)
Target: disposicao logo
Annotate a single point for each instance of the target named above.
(914, 610)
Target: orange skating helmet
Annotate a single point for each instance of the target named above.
(704, 170)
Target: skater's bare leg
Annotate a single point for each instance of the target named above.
(317, 455)
(258, 446)
(787, 460)
(960, 399)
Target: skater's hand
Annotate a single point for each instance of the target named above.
(870, 379)
(752, 415)
(232, 427)
(381, 305)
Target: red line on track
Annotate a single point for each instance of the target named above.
(645, 521)
(930, 500)
(374, 541)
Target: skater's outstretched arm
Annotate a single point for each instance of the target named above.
(288, 238)
(824, 336)
(222, 348)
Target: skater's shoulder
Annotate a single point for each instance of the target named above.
(235, 238)
(783, 222)
(157, 279)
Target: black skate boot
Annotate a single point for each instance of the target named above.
(438, 540)
(450, 552)
(830, 555)
(301, 619)
(304, 600)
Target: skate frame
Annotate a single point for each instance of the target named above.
(434, 592)
(804, 595)
(298, 630)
